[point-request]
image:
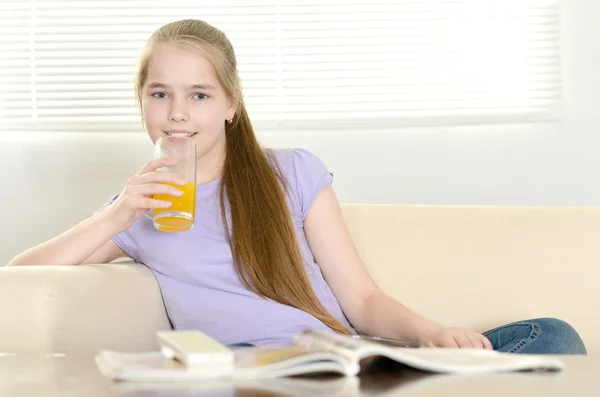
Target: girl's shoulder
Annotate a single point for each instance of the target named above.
(304, 173)
(297, 163)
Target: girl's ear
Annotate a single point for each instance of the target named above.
(232, 104)
(141, 109)
(143, 119)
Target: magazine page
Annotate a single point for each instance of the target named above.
(346, 386)
(251, 362)
(151, 366)
(342, 345)
(443, 360)
(274, 361)
(471, 361)
(318, 386)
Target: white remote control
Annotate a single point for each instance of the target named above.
(194, 349)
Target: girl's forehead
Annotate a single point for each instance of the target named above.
(180, 65)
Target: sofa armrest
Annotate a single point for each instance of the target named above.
(80, 308)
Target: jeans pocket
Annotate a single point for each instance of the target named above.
(512, 338)
(533, 334)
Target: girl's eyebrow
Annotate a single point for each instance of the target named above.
(156, 84)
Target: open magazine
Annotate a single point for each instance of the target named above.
(314, 386)
(316, 352)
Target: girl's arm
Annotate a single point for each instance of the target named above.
(88, 242)
(367, 308)
(91, 240)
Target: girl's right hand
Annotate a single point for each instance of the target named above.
(135, 200)
(456, 337)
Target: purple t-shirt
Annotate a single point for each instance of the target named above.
(195, 270)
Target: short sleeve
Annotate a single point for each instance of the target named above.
(124, 240)
(311, 177)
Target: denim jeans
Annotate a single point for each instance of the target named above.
(537, 336)
(240, 345)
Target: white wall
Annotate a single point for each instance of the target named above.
(52, 181)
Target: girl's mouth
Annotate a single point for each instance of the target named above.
(188, 134)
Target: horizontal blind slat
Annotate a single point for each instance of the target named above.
(71, 63)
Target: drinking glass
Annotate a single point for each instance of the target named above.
(179, 217)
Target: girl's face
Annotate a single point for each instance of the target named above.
(182, 94)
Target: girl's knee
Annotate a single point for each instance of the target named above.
(556, 326)
(559, 336)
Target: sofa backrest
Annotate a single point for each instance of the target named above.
(485, 266)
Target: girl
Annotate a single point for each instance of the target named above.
(285, 262)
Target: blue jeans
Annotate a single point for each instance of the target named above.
(537, 336)
(244, 344)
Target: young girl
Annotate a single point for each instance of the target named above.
(287, 262)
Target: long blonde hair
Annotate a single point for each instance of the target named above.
(262, 236)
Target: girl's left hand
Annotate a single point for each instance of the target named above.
(456, 338)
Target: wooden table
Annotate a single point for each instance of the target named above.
(38, 375)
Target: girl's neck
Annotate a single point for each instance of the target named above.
(210, 166)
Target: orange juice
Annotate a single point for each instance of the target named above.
(179, 217)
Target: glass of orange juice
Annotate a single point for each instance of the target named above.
(179, 217)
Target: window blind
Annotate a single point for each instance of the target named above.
(69, 65)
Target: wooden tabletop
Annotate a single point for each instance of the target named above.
(29, 374)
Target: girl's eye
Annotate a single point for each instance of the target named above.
(200, 96)
(160, 95)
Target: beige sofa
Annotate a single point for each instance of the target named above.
(465, 266)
